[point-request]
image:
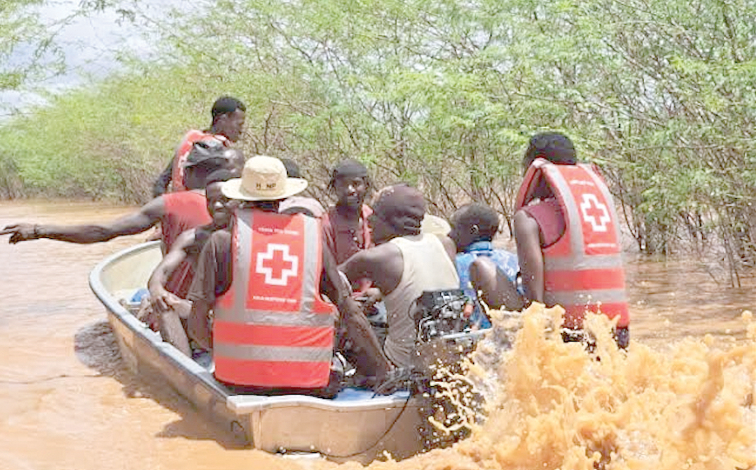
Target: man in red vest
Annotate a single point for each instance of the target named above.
(228, 116)
(175, 212)
(568, 237)
(272, 331)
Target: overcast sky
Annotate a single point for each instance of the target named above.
(90, 43)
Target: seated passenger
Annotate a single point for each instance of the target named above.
(479, 265)
(403, 264)
(345, 225)
(568, 237)
(172, 277)
(175, 212)
(272, 331)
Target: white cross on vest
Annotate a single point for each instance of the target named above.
(595, 213)
(274, 267)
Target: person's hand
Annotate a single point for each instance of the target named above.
(20, 232)
(163, 301)
(372, 297)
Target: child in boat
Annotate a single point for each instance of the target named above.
(480, 266)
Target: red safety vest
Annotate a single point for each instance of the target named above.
(182, 152)
(583, 270)
(272, 328)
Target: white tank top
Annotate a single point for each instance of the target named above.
(427, 266)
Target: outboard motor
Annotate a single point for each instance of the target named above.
(444, 337)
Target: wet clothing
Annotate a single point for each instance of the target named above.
(183, 211)
(583, 268)
(341, 238)
(427, 267)
(172, 178)
(271, 328)
(505, 262)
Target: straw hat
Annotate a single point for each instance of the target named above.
(263, 179)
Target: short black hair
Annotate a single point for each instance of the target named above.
(219, 176)
(481, 215)
(292, 169)
(553, 146)
(349, 168)
(226, 105)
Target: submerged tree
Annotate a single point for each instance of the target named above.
(445, 93)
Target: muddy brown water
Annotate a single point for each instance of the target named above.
(66, 402)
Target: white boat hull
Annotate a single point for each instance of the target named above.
(353, 426)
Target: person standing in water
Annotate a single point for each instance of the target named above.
(568, 238)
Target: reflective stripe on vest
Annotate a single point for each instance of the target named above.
(271, 327)
(583, 270)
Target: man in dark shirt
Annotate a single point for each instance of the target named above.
(345, 225)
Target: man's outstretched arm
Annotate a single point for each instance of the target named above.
(131, 224)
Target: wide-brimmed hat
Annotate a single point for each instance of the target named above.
(263, 179)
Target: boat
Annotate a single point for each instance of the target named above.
(355, 425)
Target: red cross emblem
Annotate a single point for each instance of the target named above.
(277, 264)
(595, 213)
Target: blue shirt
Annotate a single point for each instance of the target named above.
(505, 262)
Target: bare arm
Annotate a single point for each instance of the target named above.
(449, 245)
(371, 361)
(162, 299)
(382, 264)
(496, 289)
(528, 237)
(131, 224)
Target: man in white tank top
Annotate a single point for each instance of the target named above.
(403, 264)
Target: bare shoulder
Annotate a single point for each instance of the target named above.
(385, 253)
(449, 246)
(155, 208)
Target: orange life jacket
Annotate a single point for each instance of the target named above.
(182, 152)
(272, 328)
(583, 270)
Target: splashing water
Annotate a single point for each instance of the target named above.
(553, 405)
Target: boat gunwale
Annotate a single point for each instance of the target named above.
(238, 404)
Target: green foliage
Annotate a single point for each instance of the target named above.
(445, 93)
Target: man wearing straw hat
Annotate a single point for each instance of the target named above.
(272, 330)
